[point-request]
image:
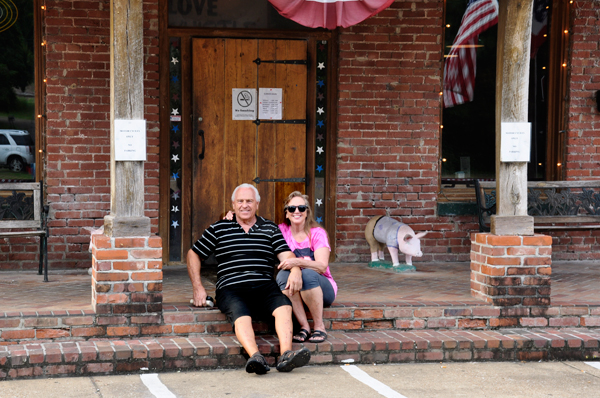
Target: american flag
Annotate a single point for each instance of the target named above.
(460, 65)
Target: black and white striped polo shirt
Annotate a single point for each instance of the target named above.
(242, 257)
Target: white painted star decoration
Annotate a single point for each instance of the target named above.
(174, 60)
(175, 209)
(319, 202)
(175, 158)
(321, 65)
(320, 111)
(320, 150)
(175, 111)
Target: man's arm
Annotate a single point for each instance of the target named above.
(203, 247)
(285, 255)
(193, 266)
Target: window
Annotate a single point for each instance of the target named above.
(17, 90)
(468, 129)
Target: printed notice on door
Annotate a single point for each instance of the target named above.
(270, 103)
(515, 142)
(243, 103)
(130, 139)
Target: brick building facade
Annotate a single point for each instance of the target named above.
(388, 129)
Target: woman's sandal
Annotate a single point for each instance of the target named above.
(318, 336)
(301, 337)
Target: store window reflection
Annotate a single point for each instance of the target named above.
(17, 91)
(468, 133)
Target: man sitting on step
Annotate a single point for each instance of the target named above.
(247, 249)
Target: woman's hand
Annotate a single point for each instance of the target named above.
(228, 216)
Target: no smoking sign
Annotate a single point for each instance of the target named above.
(243, 104)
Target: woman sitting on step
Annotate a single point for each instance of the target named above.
(309, 242)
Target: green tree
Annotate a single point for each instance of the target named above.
(17, 59)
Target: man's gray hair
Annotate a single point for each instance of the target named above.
(256, 194)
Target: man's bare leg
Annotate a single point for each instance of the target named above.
(284, 327)
(245, 334)
(289, 359)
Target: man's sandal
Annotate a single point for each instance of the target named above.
(257, 364)
(318, 336)
(291, 360)
(301, 337)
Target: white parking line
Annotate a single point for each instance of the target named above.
(375, 384)
(593, 364)
(156, 387)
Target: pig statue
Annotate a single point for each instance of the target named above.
(384, 231)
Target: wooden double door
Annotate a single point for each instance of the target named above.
(271, 154)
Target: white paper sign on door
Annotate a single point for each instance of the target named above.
(270, 103)
(515, 142)
(130, 139)
(243, 103)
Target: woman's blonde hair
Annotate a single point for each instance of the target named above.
(310, 219)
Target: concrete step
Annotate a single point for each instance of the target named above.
(119, 356)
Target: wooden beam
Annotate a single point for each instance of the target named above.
(512, 83)
(126, 102)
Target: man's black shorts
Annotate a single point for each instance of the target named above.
(257, 300)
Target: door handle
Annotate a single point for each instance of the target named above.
(201, 134)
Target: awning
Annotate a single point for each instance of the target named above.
(329, 13)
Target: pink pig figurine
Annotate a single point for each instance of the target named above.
(385, 231)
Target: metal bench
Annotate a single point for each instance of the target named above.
(552, 204)
(22, 214)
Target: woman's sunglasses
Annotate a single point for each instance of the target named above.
(292, 209)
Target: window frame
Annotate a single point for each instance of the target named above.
(557, 89)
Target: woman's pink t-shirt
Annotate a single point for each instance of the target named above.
(319, 240)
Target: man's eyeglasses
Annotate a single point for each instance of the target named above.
(292, 209)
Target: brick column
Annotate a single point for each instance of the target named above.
(511, 270)
(126, 275)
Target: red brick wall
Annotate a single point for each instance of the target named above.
(388, 127)
(583, 144)
(78, 114)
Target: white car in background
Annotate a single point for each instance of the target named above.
(16, 149)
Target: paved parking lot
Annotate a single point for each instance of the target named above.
(448, 380)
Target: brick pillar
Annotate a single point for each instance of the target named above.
(126, 275)
(511, 270)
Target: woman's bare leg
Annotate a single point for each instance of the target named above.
(298, 310)
(313, 298)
